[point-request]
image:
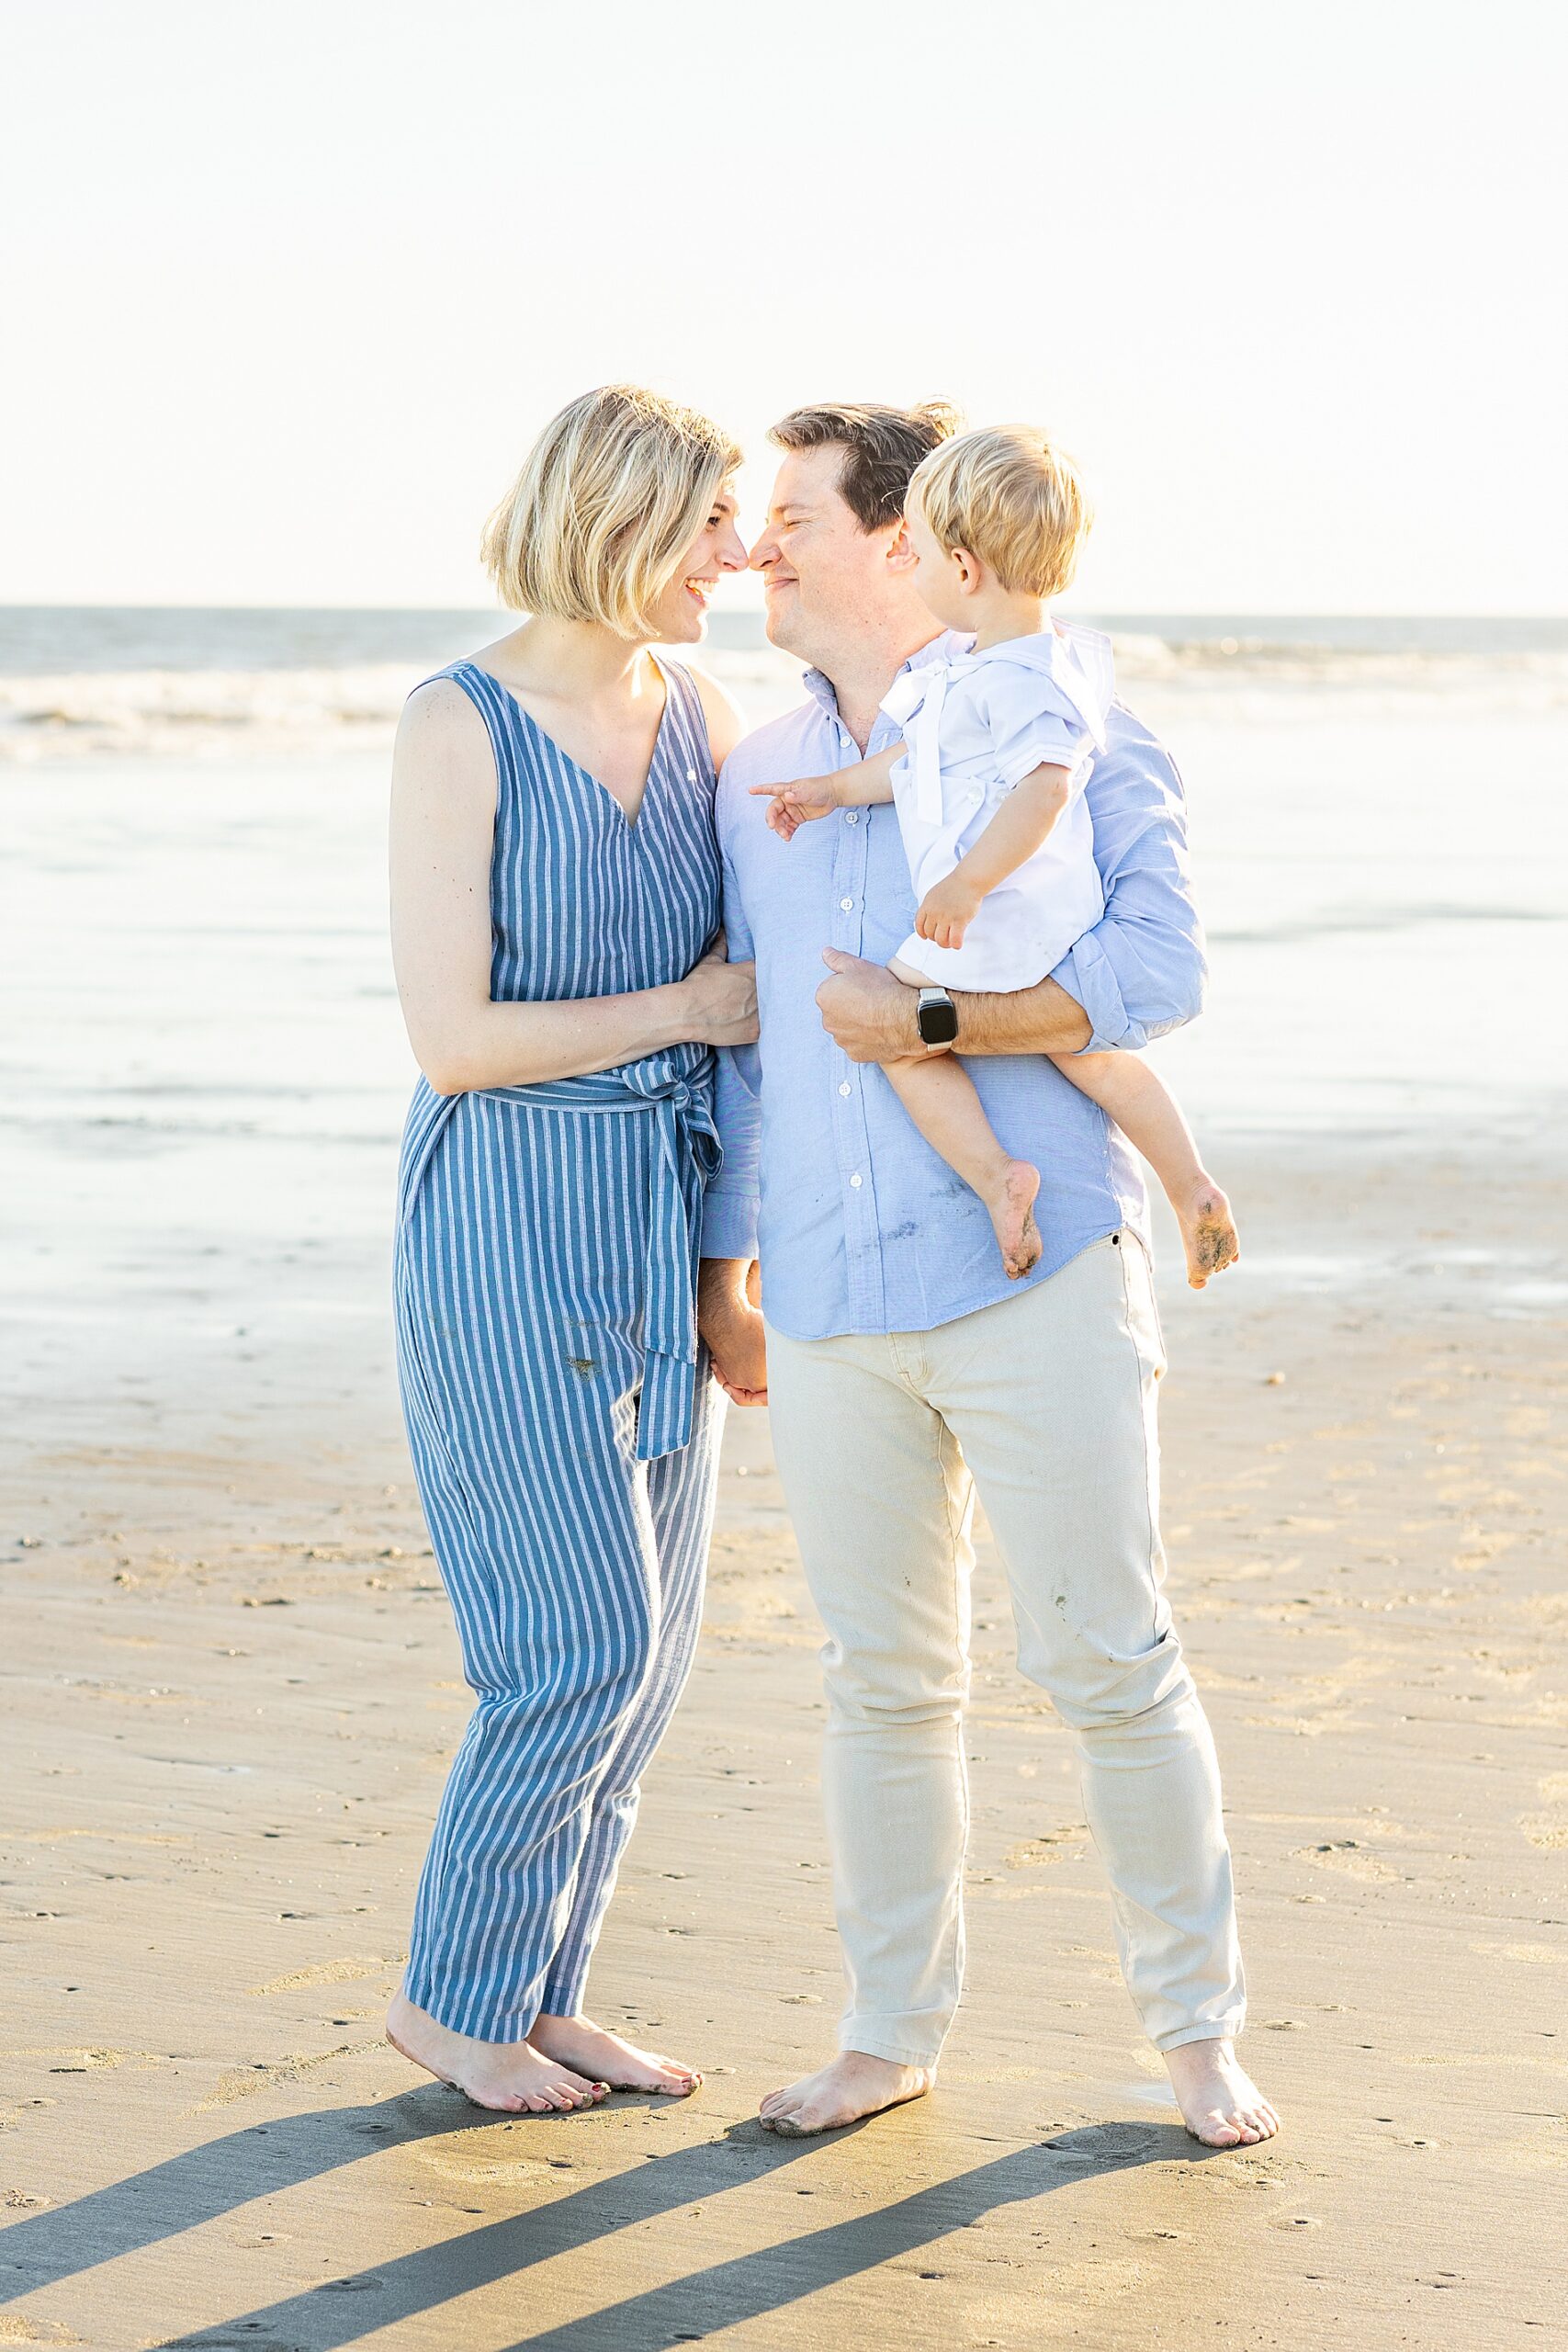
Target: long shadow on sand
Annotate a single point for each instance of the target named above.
(709, 2300)
(319, 2319)
(209, 2181)
(206, 2182)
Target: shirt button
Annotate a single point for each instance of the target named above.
(843, 1089)
(846, 904)
(855, 1181)
(853, 815)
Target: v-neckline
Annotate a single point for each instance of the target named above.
(598, 782)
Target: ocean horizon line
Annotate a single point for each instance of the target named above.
(46, 641)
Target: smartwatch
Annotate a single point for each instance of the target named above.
(936, 1017)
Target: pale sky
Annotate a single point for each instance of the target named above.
(290, 288)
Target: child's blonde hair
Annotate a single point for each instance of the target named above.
(1011, 498)
(610, 497)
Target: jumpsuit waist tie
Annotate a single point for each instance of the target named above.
(675, 1089)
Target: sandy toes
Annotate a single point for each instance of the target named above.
(1208, 1233)
(1012, 1209)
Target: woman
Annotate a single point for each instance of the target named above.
(555, 912)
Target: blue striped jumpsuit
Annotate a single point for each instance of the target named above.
(562, 1423)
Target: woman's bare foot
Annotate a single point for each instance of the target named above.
(1012, 1206)
(1220, 2103)
(853, 2085)
(593, 2049)
(1208, 1232)
(511, 2076)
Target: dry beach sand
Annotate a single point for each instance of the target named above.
(231, 1689)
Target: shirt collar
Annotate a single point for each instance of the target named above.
(940, 648)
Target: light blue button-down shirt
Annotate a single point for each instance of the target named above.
(859, 1223)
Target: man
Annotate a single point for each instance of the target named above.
(904, 1369)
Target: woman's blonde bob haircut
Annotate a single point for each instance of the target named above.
(610, 497)
(1011, 498)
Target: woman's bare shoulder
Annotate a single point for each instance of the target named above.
(439, 704)
(442, 741)
(726, 722)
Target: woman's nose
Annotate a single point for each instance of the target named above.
(732, 554)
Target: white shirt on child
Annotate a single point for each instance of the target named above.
(976, 725)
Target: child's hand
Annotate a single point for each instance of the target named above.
(795, 805)
(947, 910)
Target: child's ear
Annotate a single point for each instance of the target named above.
(967, 571)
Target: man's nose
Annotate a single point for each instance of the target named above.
(766, 552)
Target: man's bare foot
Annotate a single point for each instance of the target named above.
(1208, 1232)
(1012, 1206)
(593, 2049)
(510, 2077)
(1220, 2103)
(853, 2085)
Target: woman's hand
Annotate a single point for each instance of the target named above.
(793, 805)
(947, 910)
(719, 1001)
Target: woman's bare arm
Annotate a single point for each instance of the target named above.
(443, 831)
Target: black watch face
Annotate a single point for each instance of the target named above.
(938, 1022)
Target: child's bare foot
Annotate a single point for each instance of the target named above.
(1208, 1232)
(1011, 1206)
(510, 2077)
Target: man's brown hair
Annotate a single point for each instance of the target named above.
(882, 447)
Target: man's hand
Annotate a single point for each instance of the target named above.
(868, 1014)
(947, 910)
(793, 805)
(732, 1328)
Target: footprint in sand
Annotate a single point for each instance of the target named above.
(1548, 1830)
(1349, 1856)
(327, 1972)
(1544, 2151)
(493, 2171)
(243, 2081)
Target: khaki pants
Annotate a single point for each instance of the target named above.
(1051, 1397)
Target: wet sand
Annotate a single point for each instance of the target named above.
(232, 1691)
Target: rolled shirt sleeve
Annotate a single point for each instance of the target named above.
(729, 1204)
(1141, 971)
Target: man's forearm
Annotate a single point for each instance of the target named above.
(871, 1016)
(721, 1288)
(1040, 1020)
